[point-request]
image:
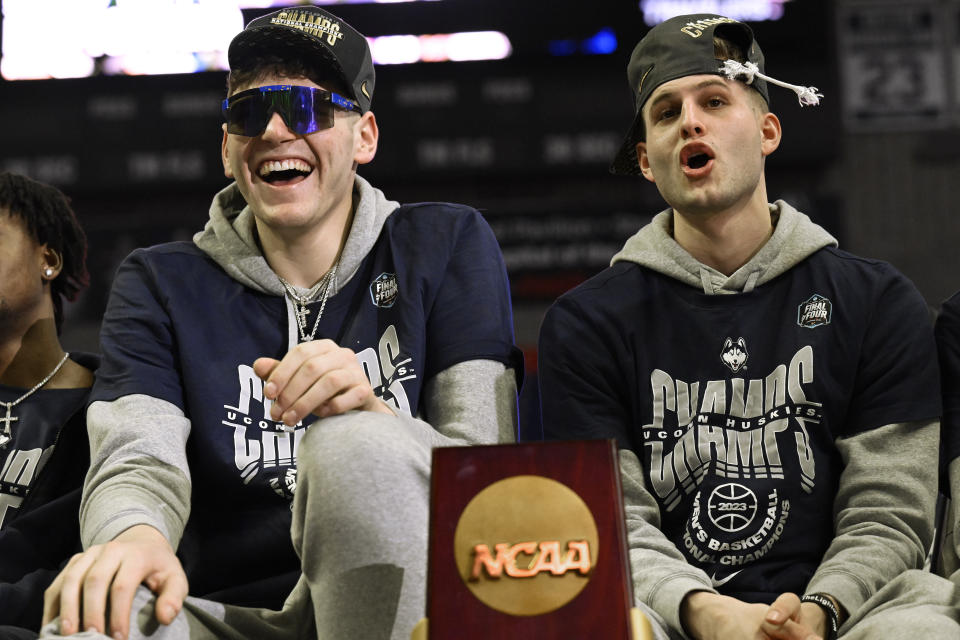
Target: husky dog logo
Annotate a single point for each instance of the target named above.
(384, 290)
(814, 311)
(734, 354)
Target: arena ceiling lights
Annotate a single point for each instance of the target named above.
(81, 38)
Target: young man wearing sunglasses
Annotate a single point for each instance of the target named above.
(774, 398)
(265, 381)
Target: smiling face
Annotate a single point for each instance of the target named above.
(295, 183)
(706, 140)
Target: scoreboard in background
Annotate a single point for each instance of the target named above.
(900, 64)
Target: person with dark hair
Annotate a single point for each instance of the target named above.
(270, 394)
(774, 398)
(43, 392)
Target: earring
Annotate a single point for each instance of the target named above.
(48, 272)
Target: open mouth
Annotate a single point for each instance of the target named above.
(698, 161)
(281, 172)
(695, 158)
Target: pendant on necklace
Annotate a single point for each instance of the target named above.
(300, 302)
(7, 435)
(7, 420)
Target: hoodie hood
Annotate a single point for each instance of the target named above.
(795, 237)
(230, 239)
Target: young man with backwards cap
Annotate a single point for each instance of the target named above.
(309, 297)
(764, 386)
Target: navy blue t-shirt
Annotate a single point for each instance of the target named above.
(430, 294)
(35, 425)
(732, 403)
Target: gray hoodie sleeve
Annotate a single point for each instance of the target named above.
(661, 575)
(883, 512)
(138, 469)
(473, 402)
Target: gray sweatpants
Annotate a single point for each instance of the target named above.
(917, 605)
(360, 523)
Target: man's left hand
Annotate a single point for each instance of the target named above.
(788, 607)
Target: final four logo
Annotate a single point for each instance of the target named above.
(815, 311)
(384, 290)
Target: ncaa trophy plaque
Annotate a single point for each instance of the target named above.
(528, 540)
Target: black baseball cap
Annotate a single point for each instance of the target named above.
(679, 47)
(312, 34)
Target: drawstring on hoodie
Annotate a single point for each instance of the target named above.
(706, 281)
(751, 281)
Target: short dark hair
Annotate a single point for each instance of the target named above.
(50, 220)
(726, 49)
(284, 67)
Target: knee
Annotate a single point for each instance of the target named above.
(362, 443)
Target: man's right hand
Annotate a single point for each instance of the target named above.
(110, 574)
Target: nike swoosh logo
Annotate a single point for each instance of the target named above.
(723, 581)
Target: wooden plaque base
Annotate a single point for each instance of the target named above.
(601, 605)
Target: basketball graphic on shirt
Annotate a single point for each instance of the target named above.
(731, 507)
(286, 485)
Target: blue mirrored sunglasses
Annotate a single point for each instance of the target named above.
(303, 109)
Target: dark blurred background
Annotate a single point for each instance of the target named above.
(527, 139)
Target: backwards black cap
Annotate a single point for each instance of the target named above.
(312, 34)
(679, 47)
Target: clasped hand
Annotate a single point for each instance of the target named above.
(318, 377)
(710, 616)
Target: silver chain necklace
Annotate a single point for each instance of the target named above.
(6, 436)
(300, 302)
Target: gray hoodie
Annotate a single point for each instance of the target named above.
(229, 237)
(873, 460)
(794, 238)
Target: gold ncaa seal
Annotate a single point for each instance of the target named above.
(526, 545)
